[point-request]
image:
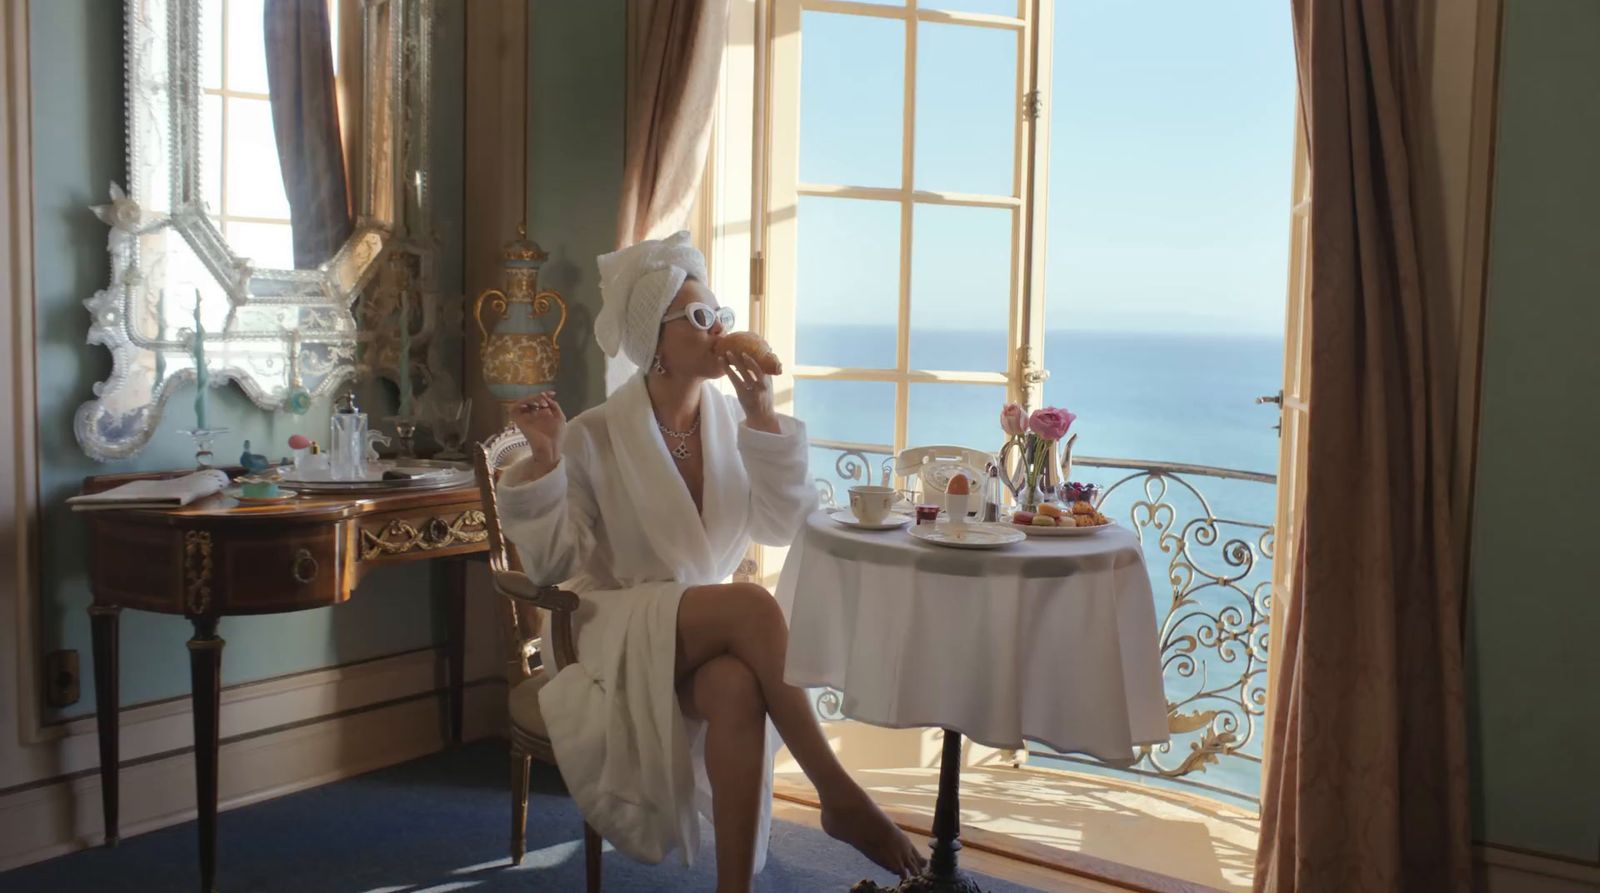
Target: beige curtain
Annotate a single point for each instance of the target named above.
(1366, 781)
(674, 59)
(305, 119)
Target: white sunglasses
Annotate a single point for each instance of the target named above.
(702, 316)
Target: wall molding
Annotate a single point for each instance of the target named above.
(1504, 869)
(263, 754)
(161, 728)
(19, 478)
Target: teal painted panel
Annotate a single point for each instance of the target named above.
(78, 149)
(1535, 608)
(576, 91)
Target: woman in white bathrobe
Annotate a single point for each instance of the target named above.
(644, 506)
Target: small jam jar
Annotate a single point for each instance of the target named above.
(927, 514)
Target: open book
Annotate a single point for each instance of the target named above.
(162, 493)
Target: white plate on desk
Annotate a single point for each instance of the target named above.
(848, 519)
(969, 536)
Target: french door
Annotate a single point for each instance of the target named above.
(899, 225)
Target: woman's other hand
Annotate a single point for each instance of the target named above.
(754, 390)
(542, 422)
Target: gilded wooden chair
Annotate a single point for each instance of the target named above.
(933, 466)
(522, 601)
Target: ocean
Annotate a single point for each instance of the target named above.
(1153, 396)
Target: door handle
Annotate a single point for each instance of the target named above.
(1274, 399)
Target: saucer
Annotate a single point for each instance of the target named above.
(283, 496)
(848, 518)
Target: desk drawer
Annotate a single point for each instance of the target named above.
(281, 570)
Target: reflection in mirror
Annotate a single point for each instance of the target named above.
(272, 154)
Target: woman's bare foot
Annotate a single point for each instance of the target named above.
(853, 818)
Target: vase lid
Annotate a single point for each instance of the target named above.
(523, 251)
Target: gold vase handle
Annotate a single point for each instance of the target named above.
(500, 303)
(541, 304)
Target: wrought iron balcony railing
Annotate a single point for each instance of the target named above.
(1210, 556)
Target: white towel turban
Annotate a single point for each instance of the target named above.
(636, 286)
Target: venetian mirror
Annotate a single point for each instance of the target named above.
(277, 159)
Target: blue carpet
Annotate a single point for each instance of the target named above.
(429, 826)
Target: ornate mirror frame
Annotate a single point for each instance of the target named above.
(283, 336)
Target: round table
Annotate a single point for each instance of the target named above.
(1052, 639)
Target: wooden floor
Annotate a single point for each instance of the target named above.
(991, 864)
(1089, 832)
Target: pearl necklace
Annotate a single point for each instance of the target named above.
(681, 451)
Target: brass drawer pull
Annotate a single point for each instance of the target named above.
(305, 567)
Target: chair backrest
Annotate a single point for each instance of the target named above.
(522, 624)
(934, 466)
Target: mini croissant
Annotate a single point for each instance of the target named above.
(755, 346)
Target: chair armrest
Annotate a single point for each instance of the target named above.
(518, 586)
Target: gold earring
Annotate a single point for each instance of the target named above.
(657, 368)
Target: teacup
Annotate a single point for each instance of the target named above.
(871, 505)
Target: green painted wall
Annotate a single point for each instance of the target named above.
(575, 168)
(1535, 605)
(78, 148)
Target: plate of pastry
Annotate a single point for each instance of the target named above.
(1078, 519)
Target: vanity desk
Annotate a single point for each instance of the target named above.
(216, 558)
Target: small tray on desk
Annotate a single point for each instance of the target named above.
(426, 474)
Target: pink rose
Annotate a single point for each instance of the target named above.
(1013, 420)
(1051, 423)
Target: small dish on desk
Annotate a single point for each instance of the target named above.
(892, 521)
(968, 535)
(280, 497)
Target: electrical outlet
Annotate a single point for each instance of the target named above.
(61, 678)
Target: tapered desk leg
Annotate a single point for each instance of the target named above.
(456, 602)
(205, 674)
(103, 630)
(942, 874)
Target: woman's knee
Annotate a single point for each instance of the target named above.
(725, 688)
(755, 605)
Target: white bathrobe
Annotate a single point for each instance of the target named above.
(615, 523)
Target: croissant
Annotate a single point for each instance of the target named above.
(755, 346)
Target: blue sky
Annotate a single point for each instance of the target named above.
(1170, 166)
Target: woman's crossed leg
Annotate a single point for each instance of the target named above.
(731, 635)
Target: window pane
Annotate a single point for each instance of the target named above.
(247, 53)
(270, 245)
(211, 44)
(992, 7)
(847, 296)
(849, 412)
(968, 104)
(852, 85)
(1171, 163)
(955, 414)
(846, 411)
(254, 180)
(960, 287)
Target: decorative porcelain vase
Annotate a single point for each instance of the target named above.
(521, 354)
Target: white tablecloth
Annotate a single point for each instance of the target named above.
(1052, 640)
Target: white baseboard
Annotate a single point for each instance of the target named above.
(1501, 870)
(298, 733)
